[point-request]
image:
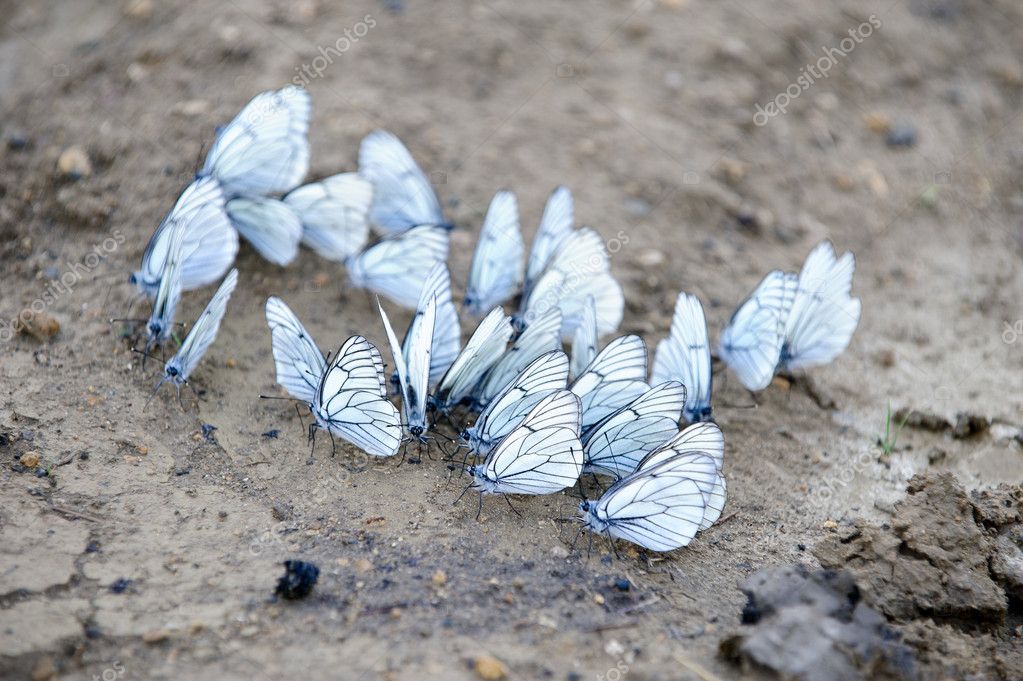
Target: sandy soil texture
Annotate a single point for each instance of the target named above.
(134, 544)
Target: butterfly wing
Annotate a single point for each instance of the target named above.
(204, 331)
(705, 437)
(300, 364)
(272, 227)
(265, 149)
(497, 269)
(823, 315)
(209, 242)
(751, 342)
(484, 348)
(616, 445)
(555, 224)
(403, 197)
(334, 214)
(543, 455)
(539, 338)
(447, 330)
(541, 377)
(584, 340)
(685, 356)
(398, 267)
(168, 294)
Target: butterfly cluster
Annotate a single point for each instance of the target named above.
(536, 418)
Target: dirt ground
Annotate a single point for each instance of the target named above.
(140, 547)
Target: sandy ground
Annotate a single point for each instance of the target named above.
(645, 110)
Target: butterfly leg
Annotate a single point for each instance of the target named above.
(312, 443)
(514, 510)
(479, 511)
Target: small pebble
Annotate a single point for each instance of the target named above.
(74, 163)
(878, 122)
(440, 578)
(598, 599)
(30, 459)
(901, 135)
(490, 668)
(155, 635)
(298, 579)
(622, 584)
(39, 325)
(119, 586)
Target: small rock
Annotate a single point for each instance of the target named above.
(74, 163)
(119, 586)
(440, 578)
(30, 459)
(298, 579)
(651, 257)
(731, 170)
(830, 525)
(44, 670)
(137, 72)
(622, 584)
(231, 363)
(39, 325)
(598, 599)
(139, 9)
(363, 566)
(191, 107)
(16, 141)
(901, 135)
(156, 635)
(490, 668)
(878, 122)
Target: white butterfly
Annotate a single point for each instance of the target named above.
(615, 377)
(617, 444)
(751, 342)
(541, 456)
(270, 225)
(334, 214)
(200, 336)
(540, 337)
(584, 340)
(397, 267)
(403, 197)
(555, 224)
(685, 356)
(703, 445)
(414, 371)
(209, 241)
(660, 506)
(823, 316)
(497, 269)
(168, 294)
(447, 331)
(484, 348)
(541, 377)
(578, 269)
(346, 397)
(265, 149)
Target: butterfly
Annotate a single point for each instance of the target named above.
(447, 331)
(615, 377)
(617, 444)
(662, 504)
(702, 447)
(347, 396)
(541, 377)
(209, 241)
(168, 293)
(269, 225)
(584, 340)
(484, 348)
(555, 224)
(497, 269)
(751, 342)
(823, 315)
(578, 269)
(542, 455)
(414, 370)
(541, 337)
(685, 356)
(263, 152)
(333, 213)
(403, 197)
(397, 267)
(200, 336)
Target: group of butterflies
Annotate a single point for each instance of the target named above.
(542, 417)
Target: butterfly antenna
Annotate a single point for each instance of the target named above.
(479, 511)
(467, 488)
(155, 390)
(333, 444)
